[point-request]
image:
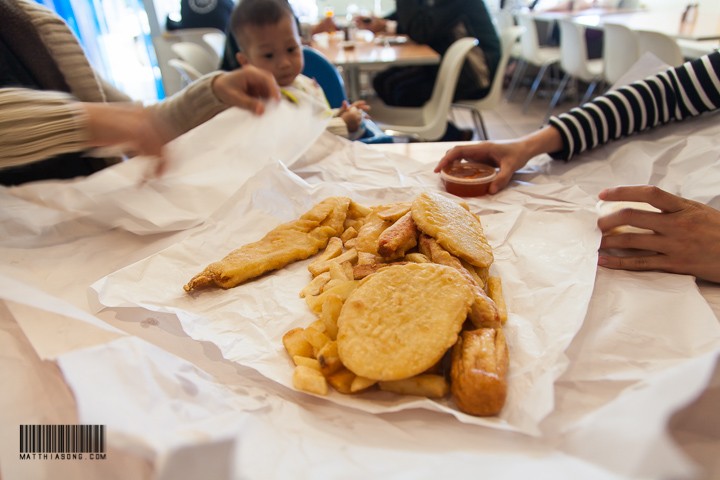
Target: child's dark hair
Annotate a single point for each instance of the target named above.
(257, 13)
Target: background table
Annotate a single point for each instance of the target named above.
(371, 55)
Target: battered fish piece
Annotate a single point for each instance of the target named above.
(457, 230)
(287, 243)
(400, 321)
(398, 238)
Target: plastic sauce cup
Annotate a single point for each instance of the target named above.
(467, 179)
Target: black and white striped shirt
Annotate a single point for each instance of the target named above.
(675, 94)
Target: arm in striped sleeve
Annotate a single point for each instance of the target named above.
(674, 94)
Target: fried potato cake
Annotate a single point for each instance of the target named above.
(287, 243)
(401, 320)
(457, 230)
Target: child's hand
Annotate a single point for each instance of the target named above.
(361, 105)
(352, 118)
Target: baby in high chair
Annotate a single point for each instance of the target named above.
(267, 34)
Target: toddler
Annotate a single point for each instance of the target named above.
(267, 34)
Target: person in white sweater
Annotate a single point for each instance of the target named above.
(687, 233)
(54, 108)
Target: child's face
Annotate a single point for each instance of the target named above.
(275, 48)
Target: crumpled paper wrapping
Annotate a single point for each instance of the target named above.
(547, 290)
(644, 347)
(203, 172)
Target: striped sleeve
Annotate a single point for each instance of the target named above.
(677, 93)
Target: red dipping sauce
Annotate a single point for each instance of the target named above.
(467, 179)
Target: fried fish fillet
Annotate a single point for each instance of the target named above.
(287, 243)
(400, 321)
(457, 230)
(484, 312)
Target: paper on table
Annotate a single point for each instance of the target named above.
(203, 173)
(546, 258)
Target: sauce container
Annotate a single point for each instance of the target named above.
(467, 179)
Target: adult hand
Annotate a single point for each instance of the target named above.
(136, 130)
(686, 236)
(246, 88)
(509, 155)
(374, 24)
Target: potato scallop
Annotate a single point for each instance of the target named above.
(401, 320)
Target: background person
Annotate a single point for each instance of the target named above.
(201, 14)
(439, 24)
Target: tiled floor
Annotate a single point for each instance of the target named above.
(508, 120)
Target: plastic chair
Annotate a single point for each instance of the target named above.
(662, 46)
(574, 62)
(531, 53)
(620, 51)
(326, 74)
(188, 73)
(192, 53)
(508, 37)
(428, 122)
(216, 41)
(328, 77)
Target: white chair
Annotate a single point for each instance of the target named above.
(620, 51)
(575, 63)
(428, 122)
(531, 53)
(662, 46)
(216, 41)
(187, 72)
(195, 55)
(508, 37)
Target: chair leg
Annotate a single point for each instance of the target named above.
(517, 75)
(533, 89)
(480, 125)
(589, 91)
(556, 97)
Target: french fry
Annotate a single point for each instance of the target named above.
(316, 268)
(416, 257)
(315, 338)
(349, 233)
(330, 312)
(394, 211)
(423, 385)
(495, 291)
(318, 325)
(342, 380)
(351, 243)
(361, 383)
(342, 289)
(337, 272)
(307, 362)
(333, 250)
(329, 359)
(296, 345)
(316, 285)
(309, 380)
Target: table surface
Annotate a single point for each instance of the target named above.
(320, 432)
(705, 27)
(376, 53)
